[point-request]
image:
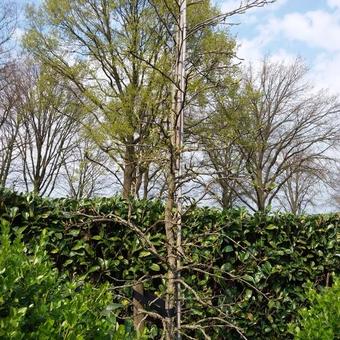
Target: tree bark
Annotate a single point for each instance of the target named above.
(138, 316)
(170, 231)
(129, 190)
(129, 181)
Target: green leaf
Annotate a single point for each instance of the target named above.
(228, 249)
(144, 253)
(272, 227)
(155, 267)
(73, 232)
(59, 236)
(93, 269)
(248, 294)
(248, 278)
(78, 246)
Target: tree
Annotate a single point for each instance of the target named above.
(304, 187)
(8, 16)
(9, 91)
(335, 184)
(119, 91)
(83, 171)
(49, 115)
(10, 120)
(221, 160)
(280, 127)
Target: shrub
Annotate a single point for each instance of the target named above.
(322, 320)
(36, 302)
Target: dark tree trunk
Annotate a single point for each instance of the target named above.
(129, 182)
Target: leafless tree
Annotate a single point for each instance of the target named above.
(48, 125)
(9, 91)
(304, 187)
(84, 172)
(11, 100)
(8, 18)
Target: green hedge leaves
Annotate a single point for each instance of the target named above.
(257, 265)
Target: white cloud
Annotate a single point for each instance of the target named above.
(250, 50)
(325, 72)
(253, 51)
(283, 56)
(18, 34)
(318, 29)
(333, 3)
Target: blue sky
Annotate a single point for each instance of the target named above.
(289, 28)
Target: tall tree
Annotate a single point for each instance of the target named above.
(120, 92)
(281, 127)
(9, 90)
(11, 96)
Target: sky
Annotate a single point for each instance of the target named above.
(286, 29)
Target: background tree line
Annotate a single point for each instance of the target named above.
(91, 120)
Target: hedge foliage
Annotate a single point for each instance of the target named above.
(36, 302)
(260, 263)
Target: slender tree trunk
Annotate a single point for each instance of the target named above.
(4, 171)
(261, 199)
(227, 198)
(170, 231)
(175, 187)
(129, 181)
(8, 156)
(146, 183)
(129, 190)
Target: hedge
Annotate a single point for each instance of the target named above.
(260, 263)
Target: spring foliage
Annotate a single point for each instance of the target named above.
(321, 320)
